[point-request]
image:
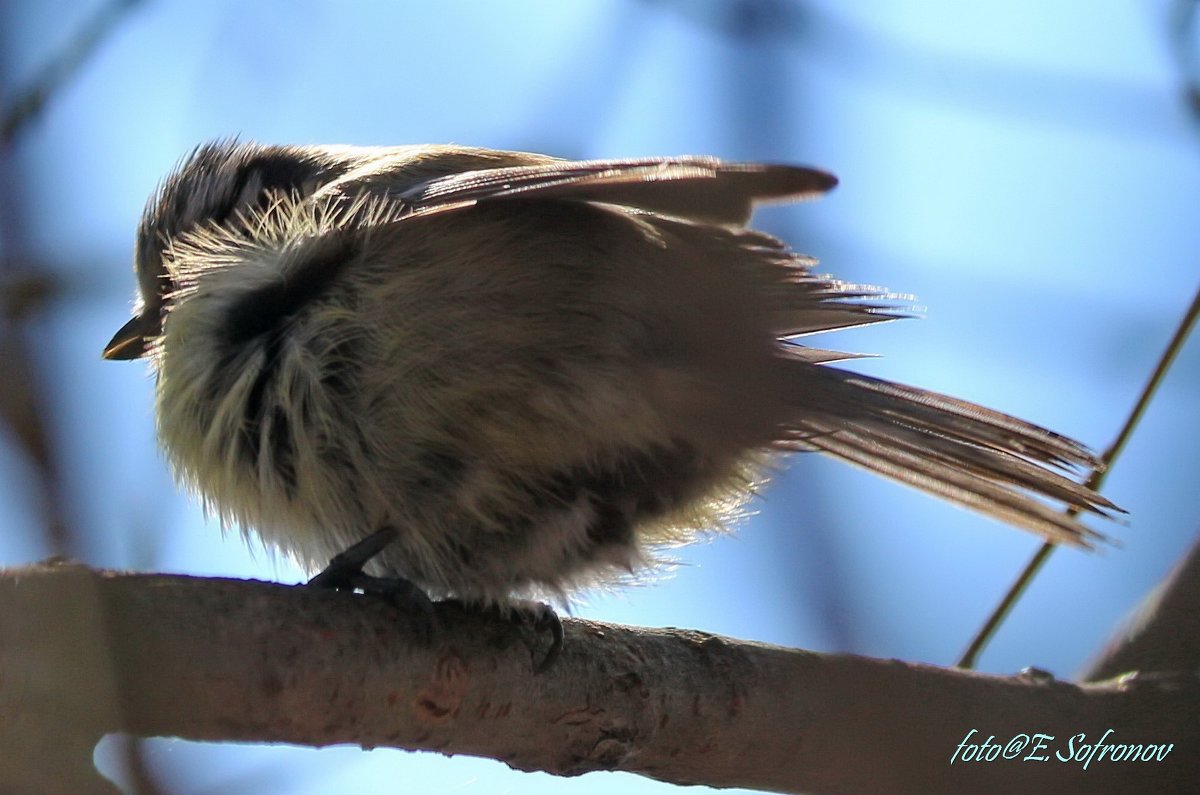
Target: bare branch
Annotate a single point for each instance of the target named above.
(85, 652)
(1164, 632)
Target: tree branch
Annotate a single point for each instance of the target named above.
(1163, 634)
(86, 652)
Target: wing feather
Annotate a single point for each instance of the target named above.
(701, 189)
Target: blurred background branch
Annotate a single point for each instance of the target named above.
(61, 68)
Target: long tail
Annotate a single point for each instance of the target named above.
(974, 456)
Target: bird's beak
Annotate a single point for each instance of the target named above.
(130, 341)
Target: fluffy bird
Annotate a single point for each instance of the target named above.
(514, 375)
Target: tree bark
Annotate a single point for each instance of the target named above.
(86, 652)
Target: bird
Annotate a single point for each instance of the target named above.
(502, 377)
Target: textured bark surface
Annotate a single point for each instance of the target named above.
(85, 652)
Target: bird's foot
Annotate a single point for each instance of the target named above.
(345, 573)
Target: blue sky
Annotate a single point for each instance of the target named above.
(1027, 170)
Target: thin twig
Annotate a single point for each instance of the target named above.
(981, 639)
(1183, 21)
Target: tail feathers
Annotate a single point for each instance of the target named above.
(806, 303)
(976, 457)
(813, 321)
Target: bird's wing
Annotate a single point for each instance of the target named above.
(694, 188)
